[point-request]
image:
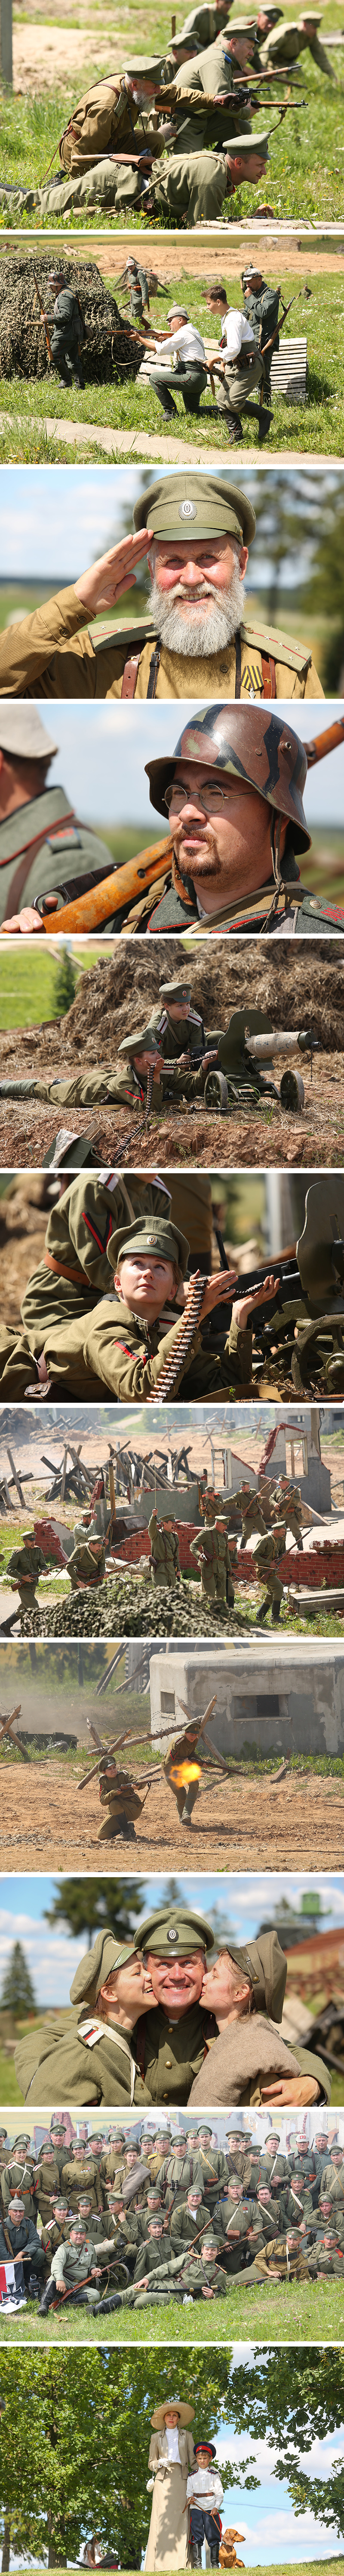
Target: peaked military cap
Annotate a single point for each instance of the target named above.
(172, 1932)
(174, 992)
(138, 1042)
(149, 67)
(197, 505)
(157, 1235)
(207, 2446)
(246, 143)
(80, 1532)
(97, 1965)
(244, 743)
(264, 1965)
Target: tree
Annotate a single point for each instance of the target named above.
(75, 2439)
(85, 1904)
(291, 2399)
(65, 987)
(17, 1995)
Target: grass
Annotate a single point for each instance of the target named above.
(316, 426)
(28, 983)
(305, 171)
(284, 2313)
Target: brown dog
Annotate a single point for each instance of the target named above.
(227, 2550)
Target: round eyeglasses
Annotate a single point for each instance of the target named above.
(210, 797)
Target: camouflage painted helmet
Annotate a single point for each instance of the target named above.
(246, 742)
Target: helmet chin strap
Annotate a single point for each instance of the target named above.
(285, 872)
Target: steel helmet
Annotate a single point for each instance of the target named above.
(246, 742)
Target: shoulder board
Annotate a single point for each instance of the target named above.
(270, 640)
(316, 905)
(140, 633)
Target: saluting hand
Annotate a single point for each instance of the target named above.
(113, 573)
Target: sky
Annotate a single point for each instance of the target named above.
(244, 1901)
(38, 537)
(102, 766)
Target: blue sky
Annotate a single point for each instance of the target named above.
(244, 1901)
(101, 763)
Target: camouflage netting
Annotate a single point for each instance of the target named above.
(294, 990)
(24, 352)
(132, 1609)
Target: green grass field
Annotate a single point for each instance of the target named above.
(305, 170)
(311, 2567)
(28, 979)
(316, 426)
(279, 2314)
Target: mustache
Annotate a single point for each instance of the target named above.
(196, 590)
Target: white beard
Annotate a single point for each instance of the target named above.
(185, 628)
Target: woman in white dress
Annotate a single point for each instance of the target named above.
(171, 2455)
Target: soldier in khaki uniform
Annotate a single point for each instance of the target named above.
(286, 1498)
(118, 1794)
(81, 2171)
(198, 523)
(87, 1563)
(212, 1552)
(283, 2259)
(253, 1518)
(86, 2055)
(133, 1333)
(74, 1271)
(232, 2224)
(233, 792)
(41, 838)
(164, 1561)
(266, 1558)
(25, 1566)
(47, 2183)
(188, 2219)
(105, 118)
(284, 44)
(19, 2177)
(178, 1027)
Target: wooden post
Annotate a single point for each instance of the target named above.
(173, 26)
(6, 42)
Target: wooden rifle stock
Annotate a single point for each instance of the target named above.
(88, 911)
(329, 740)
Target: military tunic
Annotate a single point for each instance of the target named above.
(175, 1036)
(80, 2059)
(72, 2264)
(195, 2278)
(164, 1565)
(104, 117)
(127, 1356)
(47, 2186)
(285, 43)
(276, 2257)
(293, 1509)
(178, 2173)
(52, 654)
(184, 2227)
(25, 1566)
(326, 2263)
(41, 845)
(266, 1557)
(253, 1518)
(261, 309)
(212, 1552)
(23, 2240)
(171, 2055)
(120, 1798)
(80, 2177)
(19, 2178)
(83, 1568)
(67, 336)
(74, 1271)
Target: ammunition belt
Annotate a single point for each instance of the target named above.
(188, 1326)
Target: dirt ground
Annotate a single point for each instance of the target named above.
(180, 1135)
(244, 1826)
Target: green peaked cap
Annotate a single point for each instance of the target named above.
(156, 1235)
(173, 1933)
(195, 504)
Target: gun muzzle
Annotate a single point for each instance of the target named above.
(280, 1043)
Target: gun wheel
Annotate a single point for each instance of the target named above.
(216, 1093)
(292, 1090)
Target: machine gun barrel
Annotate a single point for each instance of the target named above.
(281, 1043)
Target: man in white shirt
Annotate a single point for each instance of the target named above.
(179, 360)
(242, 371)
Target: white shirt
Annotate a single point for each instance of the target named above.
(187, 340)
(204, 2487)
(171, 2431)
(236, 333)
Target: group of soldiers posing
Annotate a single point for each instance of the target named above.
(77, 2221)
(173, 134)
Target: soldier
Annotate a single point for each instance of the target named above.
(261, 304)
(111, 2161)
(105, 117)
(41, 838)
(89, 2058)
(211, 1549)
(204, 21)
(47, 2183)
(326, 2260)
(283, 2259)
(78, 2170)
(55, 2231)
(284, 44)
(164, 1559)
(267, 2218)
(267, 1557)
(212, 2162)
(135, 279)
(74, 2268)
(253, 1517)
(181, 2170)
(191, 641)
(20, 2243)
(195, 184)
(177, 1025)
(68, 332)
(74, 1271)
(18, 2176)
(232, 2224)
(148, 1265)
(25, 1565)
(87, 1563)
(233, 854)
(205, 2497)
(241, 371)
(84, 1089)
(118, 1793)
(278, 2167)
(188, 2219)
(182, 1751)
(286, 1498)
(203, 2276)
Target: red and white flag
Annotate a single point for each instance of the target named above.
(11, 2295)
